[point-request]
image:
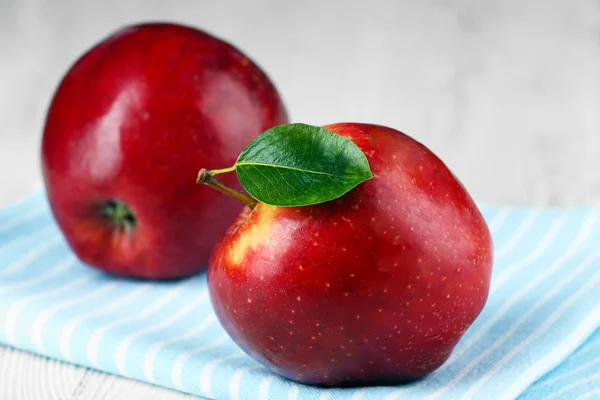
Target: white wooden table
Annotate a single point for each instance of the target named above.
(506, 92)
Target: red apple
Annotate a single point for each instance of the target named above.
(124, 134)
(375, 287)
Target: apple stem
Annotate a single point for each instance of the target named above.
(206, 177)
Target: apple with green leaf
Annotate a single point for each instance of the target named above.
(124, 133)
(360, 259)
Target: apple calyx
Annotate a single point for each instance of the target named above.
(207, 178)
(120, 215)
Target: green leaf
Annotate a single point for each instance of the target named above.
(299, 164)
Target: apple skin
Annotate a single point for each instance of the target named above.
(376, 287)
(133, 120)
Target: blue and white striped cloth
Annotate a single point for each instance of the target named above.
(534, 339)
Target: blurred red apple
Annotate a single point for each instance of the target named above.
(375, 287)
(125, 132)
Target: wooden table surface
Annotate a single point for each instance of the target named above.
(507, 93)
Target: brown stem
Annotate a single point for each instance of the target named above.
(205, 177)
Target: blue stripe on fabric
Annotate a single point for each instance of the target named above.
(28, 203)
(574, 377)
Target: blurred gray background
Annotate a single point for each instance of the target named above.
(507, 93)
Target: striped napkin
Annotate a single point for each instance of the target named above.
(534, 339)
